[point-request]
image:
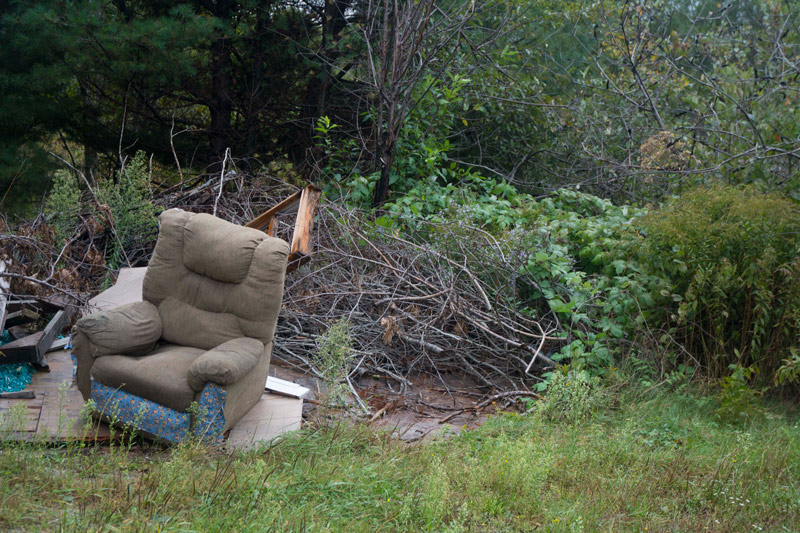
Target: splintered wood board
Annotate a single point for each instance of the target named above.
(4, 285)
(31, 349)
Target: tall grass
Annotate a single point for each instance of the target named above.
(660, 461)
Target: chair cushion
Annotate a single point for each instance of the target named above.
(162, 376)
(226, 364)
(131, 329)
(219, 249)
(200, 310)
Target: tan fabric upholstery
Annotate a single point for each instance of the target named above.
(225, 310)
(162, 376)
(226, 364)
(216, 291)
(130, 329)
(220, 252)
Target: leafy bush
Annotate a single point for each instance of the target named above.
(63, 203)
(731, 258)
(738, 400)
(560, 249)
(133, 215)
(571, 395)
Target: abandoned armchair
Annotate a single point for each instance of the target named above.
(192, 358)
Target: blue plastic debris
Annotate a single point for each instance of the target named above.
(15, 377)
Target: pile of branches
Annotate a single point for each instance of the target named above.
(437, 301)
(441, 304)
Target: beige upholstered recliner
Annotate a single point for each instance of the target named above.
(202, 336)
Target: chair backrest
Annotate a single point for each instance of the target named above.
(213, 281)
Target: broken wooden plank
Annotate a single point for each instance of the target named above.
(263, 220)
(301, 239)
(16, 305)
(21, 350)
(19, 395)
(305, 203)
(54, 327)
(58, 344)
(4, 288)
(31, 349)
(300, 253)
(23, 316)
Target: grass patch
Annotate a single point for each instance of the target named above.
(662, 461)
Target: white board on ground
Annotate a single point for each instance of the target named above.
(287, 388)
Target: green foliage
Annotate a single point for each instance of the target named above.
(334, 350)
(789, 372)
(730, 258)
(561, 249)
(738, 400)
(133, 215)
(420, 166)
(63, 203)
(571, 395)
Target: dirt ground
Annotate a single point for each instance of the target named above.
(426, 408)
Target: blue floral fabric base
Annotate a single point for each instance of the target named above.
(211, 416)
(126, 408)
(161, 421)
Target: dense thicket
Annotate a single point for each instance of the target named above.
(631, 99)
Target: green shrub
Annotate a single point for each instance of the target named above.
(731, 257)
(738, 399)
(132, 211)
(63, 203)
(571, 395)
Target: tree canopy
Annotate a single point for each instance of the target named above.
(629, 100)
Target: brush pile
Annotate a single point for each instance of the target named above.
(436, 301)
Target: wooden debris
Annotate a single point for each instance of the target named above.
(20, 395)
(23, 316)
(305, 204)
(31, 349)
(58, 344)
(4, 286)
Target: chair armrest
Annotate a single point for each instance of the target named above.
(227, 363)
(131, 329)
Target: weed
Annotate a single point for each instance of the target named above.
(571, 395)
(334, 349)
(738, 400)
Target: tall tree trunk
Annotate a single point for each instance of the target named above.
(89, 151)
(317, 93)
(255, 92)
(387, 101)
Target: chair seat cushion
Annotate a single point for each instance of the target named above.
(161, 376)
